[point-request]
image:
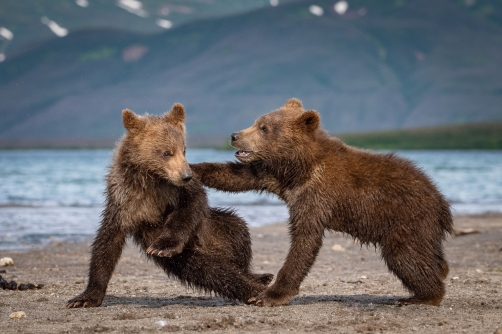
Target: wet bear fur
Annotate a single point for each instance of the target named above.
(151, 197)
(379, 199)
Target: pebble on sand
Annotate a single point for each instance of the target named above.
(338, 248)
(161, 323)
(18, 315)
(457, 231)
(6, 261)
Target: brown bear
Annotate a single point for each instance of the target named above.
(379, 199)
(152, 197)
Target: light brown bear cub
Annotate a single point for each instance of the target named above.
(151, 197)
(380, 199)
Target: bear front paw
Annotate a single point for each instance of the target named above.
(86, 299)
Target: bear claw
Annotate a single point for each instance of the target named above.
(85, 301)
(414, 300)
(168, 252)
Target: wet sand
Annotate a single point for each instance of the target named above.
(348, 290)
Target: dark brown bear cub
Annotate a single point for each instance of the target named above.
(380, 199)
(150, 196)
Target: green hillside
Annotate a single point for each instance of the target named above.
(467, 136)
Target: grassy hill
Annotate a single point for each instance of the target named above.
(468, 136)
(380, 66)
(477, 136)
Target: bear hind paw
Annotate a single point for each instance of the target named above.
(163, 252)
(264, 279)
(415, 300)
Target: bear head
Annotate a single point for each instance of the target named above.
(277, 135)
(156, 144)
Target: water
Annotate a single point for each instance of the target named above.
(48, 195)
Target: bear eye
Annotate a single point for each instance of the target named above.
(166, 154)
(264, 129)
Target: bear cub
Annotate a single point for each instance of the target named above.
(378, 198)
(151, 197)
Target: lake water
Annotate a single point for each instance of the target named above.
(50, 195)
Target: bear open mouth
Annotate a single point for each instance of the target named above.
(243, 154)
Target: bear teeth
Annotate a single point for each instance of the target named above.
(242, 153)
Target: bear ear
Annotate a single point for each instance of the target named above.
(131, 121)
(293, 103)
(176, 116)
(309, 120)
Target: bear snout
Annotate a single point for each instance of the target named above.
(186, 176)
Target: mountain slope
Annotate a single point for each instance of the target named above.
(23, 18)
(419, 63)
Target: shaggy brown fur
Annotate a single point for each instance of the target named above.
(150, 197)
(380, 199)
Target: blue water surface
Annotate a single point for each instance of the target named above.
(58, 194)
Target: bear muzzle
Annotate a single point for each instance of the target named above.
(186, 176)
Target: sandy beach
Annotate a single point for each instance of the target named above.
(348, 290)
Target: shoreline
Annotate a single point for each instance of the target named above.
(47, 239)
(348, 290)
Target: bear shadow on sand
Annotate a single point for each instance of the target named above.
(351, 300)
(156, 302)
(362, 300)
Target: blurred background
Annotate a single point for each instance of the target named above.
(392, 75)
(70, 66)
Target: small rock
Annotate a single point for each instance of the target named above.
(12, 285)
(3, 283)
(17, 315)
(457, 231)
(363, 277)
(259, 235)
(479, 271)
(95, 329)
(338, 248)
(161, 323)
(455, 278)
(26, 286)
(171, 316)
(6, 261)
(414, 329)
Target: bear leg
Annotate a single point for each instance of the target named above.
(213, 274)
(421, 271)
(106, 252)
